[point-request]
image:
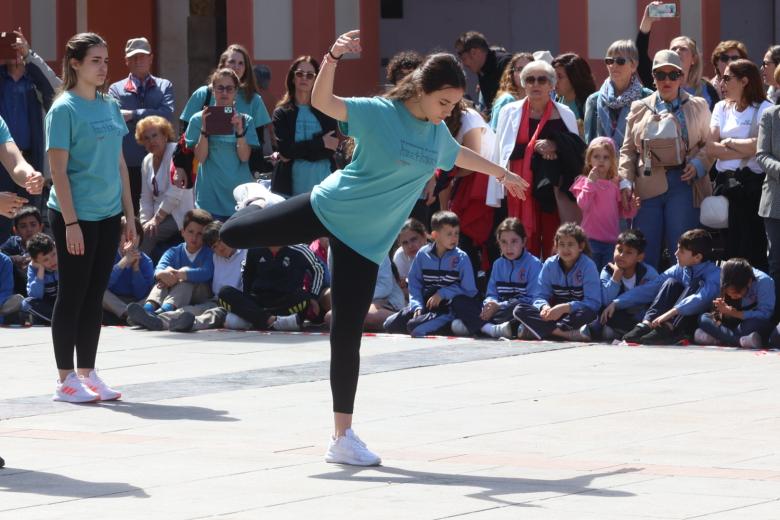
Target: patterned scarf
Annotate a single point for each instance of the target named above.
(607, 100)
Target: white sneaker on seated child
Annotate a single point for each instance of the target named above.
(700, 337)
(289, 323)
(459, 328)
(499, 330)
(752, 340)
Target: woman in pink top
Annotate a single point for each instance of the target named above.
(598, 195)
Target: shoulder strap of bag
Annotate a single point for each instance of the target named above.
(207, 101)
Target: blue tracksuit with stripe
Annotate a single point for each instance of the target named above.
(511, 282)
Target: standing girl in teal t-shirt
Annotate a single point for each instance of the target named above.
(84, 131)
(401, 139)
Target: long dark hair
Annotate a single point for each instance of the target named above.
(753, 93)
(247, 82)
(437, 72)
(76, 49)
(580, 76)
(289, 96)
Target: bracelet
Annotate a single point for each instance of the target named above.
(239, 136)
(203, 133)
(327, 60)
(502, 179)
(334, 56)
(72, 223)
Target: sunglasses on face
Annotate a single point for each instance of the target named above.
(228, 89)
(620, 60)
(725, 58)
(303, 74)
(541, 80)
(663, 76)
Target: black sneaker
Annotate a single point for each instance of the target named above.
(662, 336)
(138, 316)
(2, 462)
(182, 323)
(637, 333)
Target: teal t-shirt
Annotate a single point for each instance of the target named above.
(255, 108)
(365, 204)
(91, 132)
(307, 174)
(5, 133)
(498, 104)
(222, 170)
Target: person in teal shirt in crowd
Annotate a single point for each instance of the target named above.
(84, 131)
(401, 139)
(223, 159)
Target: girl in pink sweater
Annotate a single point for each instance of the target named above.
(598, 195)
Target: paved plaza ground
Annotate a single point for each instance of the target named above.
(233, 425)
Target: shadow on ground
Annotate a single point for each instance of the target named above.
(16, 480)
(168, 412)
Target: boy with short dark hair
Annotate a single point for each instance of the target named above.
(742, 315)
(183, 274)
(26, 223)
(441, 286)
(42, 279)
(679, 295)
(626, 271)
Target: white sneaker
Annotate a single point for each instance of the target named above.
(702, 338)
(349, 449)
(287, 323)
(97, 385)
(500, 330)
(73, 390)
(254, 193)
(752, 340)
(236, 322)
(459, 328)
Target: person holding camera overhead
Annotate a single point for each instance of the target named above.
(305, 137)
(222, 147)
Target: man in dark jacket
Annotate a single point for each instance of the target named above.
(486, 62)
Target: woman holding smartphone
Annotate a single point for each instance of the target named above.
(223, 158)
(84, 131)
(401, 138)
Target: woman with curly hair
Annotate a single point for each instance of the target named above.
(509, 88)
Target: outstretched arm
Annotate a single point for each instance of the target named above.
(470, 160)
(322, 97)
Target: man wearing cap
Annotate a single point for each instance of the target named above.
(671, 188)
(140, 95)
(486, 62)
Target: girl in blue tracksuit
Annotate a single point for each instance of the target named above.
(567, 294)
(511, 279)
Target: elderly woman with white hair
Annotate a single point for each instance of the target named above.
(606, 110)
(535, 134)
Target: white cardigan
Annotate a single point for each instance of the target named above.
(506, 136)
(173, 200)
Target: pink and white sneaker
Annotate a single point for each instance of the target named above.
(98, 386)
(73, 390)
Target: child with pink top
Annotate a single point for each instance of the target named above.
(598, 195)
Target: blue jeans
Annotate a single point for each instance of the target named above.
(729, 335)
(666, 217)
(601, 253)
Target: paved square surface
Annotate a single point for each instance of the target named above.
(233, 425)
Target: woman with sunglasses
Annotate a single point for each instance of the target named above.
(163, 205)
(724, 53)
(768, 67)
(223, 159)
(607, 109)
(525, 132)
(740, 178)
(670, 193)
(305, 137)
(509, 88)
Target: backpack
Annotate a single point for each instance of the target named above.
(184, 156)
(662, 140)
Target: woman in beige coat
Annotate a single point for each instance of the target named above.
(671, 192)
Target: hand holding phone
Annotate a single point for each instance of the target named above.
(662, 10)
(220, 120)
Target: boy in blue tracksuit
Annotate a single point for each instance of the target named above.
(441, 285)
(511, 279)
(132, 277)
(567, 294)
(42, 279)
(742, 315)
(626, 271)
(679, 295)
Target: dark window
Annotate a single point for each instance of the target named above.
(392, 8)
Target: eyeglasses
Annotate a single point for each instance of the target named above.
(303, 74)
(620, 60)
(725, 58)
(765, 64)
(228, 89)
(541, 80)
(663, 76)
(727, 77)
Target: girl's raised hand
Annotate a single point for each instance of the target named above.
(349, 42)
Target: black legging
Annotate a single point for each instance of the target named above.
(83, 279)
(352, 280)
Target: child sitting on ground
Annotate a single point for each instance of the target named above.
(42, 279)
(441, 286)
(131, 278)
(10, 303)
(411, 238)
(742, 315)
(626, 271)
(678, 296)
(26, 223)
(511, 279)
(567, 293)
(183, 274)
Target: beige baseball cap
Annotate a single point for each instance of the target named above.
(667, 57)
(137, 46)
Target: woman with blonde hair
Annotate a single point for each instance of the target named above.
(509, 88)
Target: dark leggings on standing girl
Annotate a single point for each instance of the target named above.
(78, 311)
(352, 280)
